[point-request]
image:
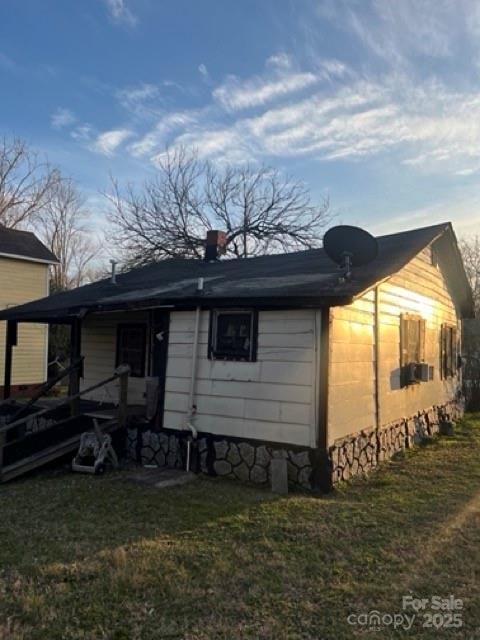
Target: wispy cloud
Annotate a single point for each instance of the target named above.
(62, 117)
(202, 69)
(120, 13)
(396, 31)
(107, 142)
(222, 145)
(279, 61)
(235, 94)
(324, 108)
(158, 137)
(82, 133)
(142, 100)
(431, 127)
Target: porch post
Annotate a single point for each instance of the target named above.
(2, 445)
(10, 342)
(75, 353)
(123, 399)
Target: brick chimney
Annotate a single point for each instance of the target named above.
(216, 245)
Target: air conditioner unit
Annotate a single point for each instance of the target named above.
(422, 372)
(411, 373)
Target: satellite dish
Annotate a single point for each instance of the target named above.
(350, 247)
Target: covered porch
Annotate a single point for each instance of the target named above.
(46, 424)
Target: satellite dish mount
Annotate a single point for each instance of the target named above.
(347, 265)
(349, 247)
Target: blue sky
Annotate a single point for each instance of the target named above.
(375, 103)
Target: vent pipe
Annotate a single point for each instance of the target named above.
(113, 278)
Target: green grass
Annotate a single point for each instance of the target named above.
(93, 558)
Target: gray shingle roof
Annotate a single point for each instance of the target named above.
(302, 278)
(24, 244)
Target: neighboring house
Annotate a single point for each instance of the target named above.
(280, 355)
(24, 276)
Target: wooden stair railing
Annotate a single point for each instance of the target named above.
(121, 373)
(45, 388)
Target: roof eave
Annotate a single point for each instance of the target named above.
(15, 256)
(278, 302)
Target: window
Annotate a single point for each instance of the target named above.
(131, 347)
(233, 335)
(412, 344)
(448, 351)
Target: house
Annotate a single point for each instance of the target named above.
(24, 276)
(278, 356)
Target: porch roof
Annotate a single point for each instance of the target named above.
(298, 279)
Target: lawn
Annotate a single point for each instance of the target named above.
(86, 557)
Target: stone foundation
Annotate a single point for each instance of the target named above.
(217, 456)
(249, 461)
(362, 452)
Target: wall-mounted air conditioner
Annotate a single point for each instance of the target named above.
(416, 372)
(411, 373)
(422, 372)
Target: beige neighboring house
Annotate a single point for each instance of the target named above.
(24, 276)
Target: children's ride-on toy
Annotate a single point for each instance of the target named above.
(94, 451)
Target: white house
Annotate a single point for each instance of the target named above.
(280, 355)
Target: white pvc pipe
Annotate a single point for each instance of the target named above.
(193, 380)
(193, 375)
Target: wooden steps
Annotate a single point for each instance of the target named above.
(39, 459)
(48, 454)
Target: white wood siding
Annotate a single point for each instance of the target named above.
(272, 399)
(22, 281)
(99, 346)
(418, 288)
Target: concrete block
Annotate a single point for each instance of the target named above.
(279, 476)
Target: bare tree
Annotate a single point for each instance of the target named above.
(25, 183)
(261, 211)
(470, 250)
(62, 226)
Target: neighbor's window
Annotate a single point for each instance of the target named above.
(131, 346)
(448, 351)
(233, 335)
(412, 344)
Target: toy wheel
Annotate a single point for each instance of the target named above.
(100, 469)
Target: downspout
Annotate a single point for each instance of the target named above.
(378, 406)
(321, 478)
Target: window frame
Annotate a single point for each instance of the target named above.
(128, 326)
(405, 346)
(215, 354)
(448, 342)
